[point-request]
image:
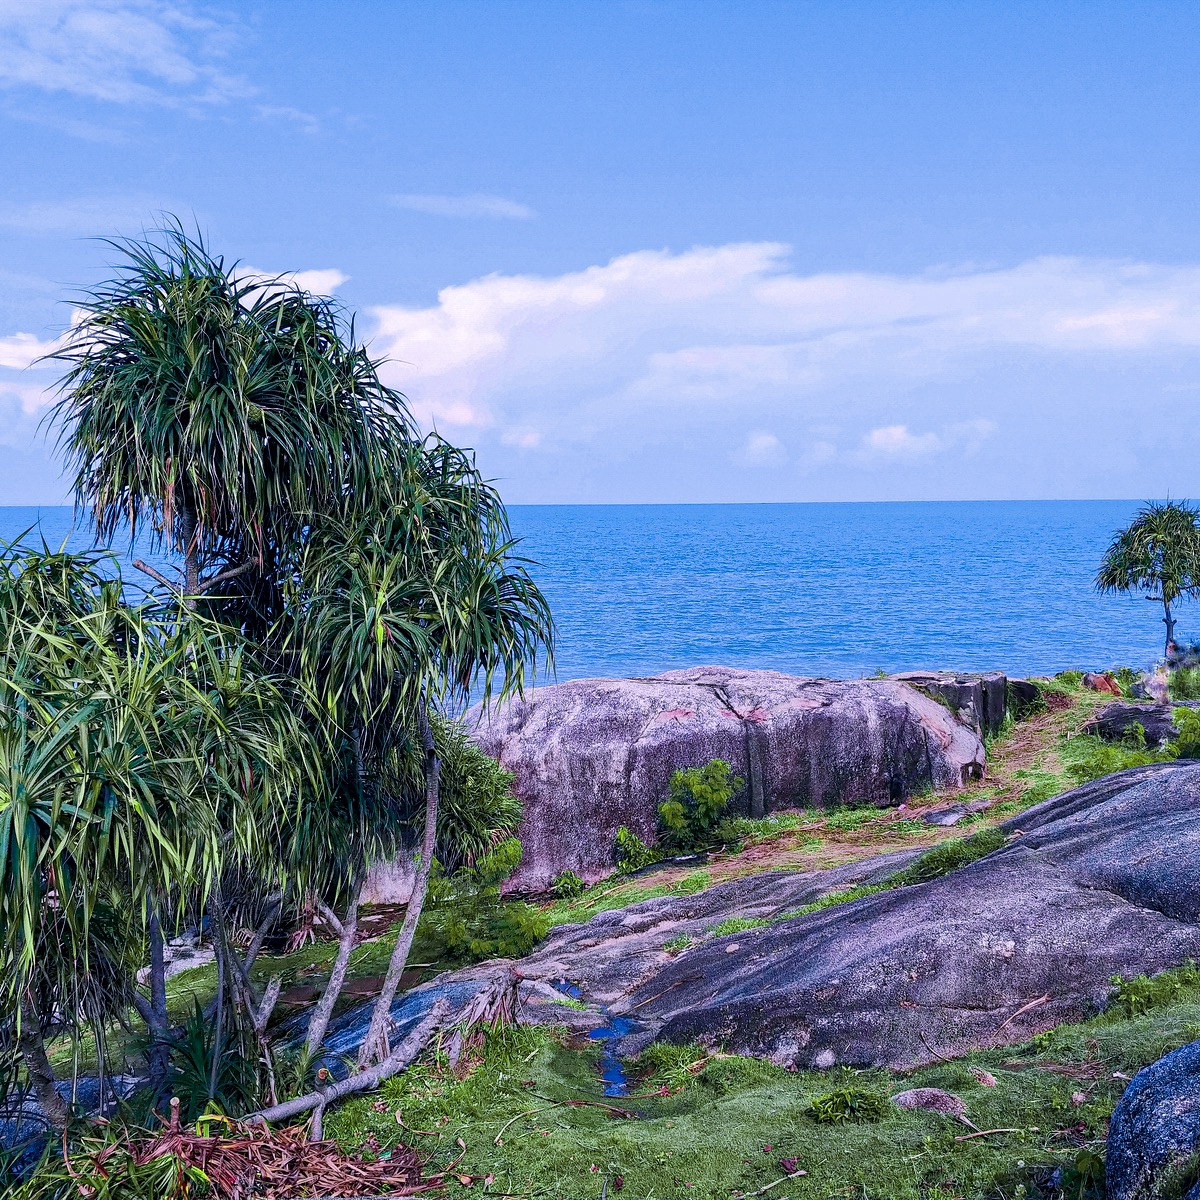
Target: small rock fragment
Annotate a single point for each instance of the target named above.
(986, 1078)
(933, 1100)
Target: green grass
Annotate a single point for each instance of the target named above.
(738, 925)
(729, 1121)
(613, 893)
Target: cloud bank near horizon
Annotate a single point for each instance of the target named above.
(724, 373)
(793, 375)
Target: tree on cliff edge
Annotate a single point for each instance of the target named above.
(1158, 553)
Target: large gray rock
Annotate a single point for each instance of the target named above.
(1155, 1128)
(1101, 881)
(980, 701)
(594, 754)
(1114, 721)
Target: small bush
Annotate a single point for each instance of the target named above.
(1137, 996)
(738, 925)
(1187, 721)
(1184, 684)
(1126, 677)
(848, 820)
(677, 944)
(631, 852)
(848, 1104)
(568, 885)
(1070, 679)
(695, 804)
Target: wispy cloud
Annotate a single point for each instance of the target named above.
(761, 449)
(21, 350)
(471, 206)
(85, 216)
(122, 51)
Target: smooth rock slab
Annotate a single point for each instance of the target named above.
(592, 755)
(1155, 1127)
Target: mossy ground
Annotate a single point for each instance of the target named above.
(726, 1124)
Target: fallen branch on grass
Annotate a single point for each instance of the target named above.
(360, 1081)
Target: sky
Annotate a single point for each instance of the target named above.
(649, 251)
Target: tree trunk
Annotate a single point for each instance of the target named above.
(158, 1055)
(191, 557)
(41, 1074)
(318, 1022)
(374, 1047)
(1169, 622)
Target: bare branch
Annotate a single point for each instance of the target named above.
(330, 918)
(267, 1007)
(158, 576)
(223, 577)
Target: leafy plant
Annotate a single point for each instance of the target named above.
(1138, 995)
(849, 1104)
(632, 853)
(695, 804)
(194, 1074)
(567, 885)
(1187, 721)
(677, 944)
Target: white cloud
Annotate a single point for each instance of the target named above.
(323, 281)
(471, 206)
(761, 449)
(895, 443)
(21, 350)
(124, 51)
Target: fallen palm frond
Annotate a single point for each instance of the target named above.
(259, 1162)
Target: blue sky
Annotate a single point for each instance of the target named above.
(646, 251)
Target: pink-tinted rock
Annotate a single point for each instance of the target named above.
(592, 755)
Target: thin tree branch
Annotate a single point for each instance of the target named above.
(156, 575)
(330, 918)
(223, 577)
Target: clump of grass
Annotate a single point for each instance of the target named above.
(949, 856)
(1141, 994)
(1184, 684)
(845, 896)
(848, 1104)
(848, 820)
(1087, 757)
(738, 832)
(677, 944)
(571, 1002)
(691, 883)
(738, 925)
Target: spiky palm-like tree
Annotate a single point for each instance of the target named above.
(219, 408)
(1157, 553)
(406, 610)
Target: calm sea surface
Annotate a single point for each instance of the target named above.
(820, 589)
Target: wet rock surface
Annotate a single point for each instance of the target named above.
(592, 755)
(1155, 1130)
(1102, 880)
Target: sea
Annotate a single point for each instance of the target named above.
(832, 590)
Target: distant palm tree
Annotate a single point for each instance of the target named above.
(1158, 553)
(218, 407)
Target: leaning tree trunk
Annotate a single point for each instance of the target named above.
(1169, 622)
(346, 930)
(37, 1066)
(374, 1047)
(158, 1060)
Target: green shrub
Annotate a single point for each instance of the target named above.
(1087, 757)
(1184, 684)
(1126, 677)
(1070, 679)
(632, 853)
(848, 820)
(1187, 721)
(1137, 996)
(849, 1104)
(735, 832)
(568, 885)
(465, 918)
(695, 804)
(677, 944)
(738, 925)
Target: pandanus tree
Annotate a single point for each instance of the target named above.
(403, 611)
(1157, 553)
(134, 752)
(218, 408)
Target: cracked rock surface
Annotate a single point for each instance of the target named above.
(1099, 881)
(592, 755)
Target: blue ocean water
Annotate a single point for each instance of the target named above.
(820, 589)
